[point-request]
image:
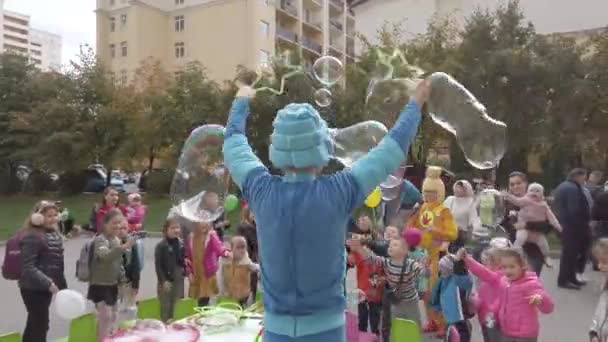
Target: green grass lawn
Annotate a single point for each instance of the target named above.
(14, 210)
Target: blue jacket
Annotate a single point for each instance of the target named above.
(302, 222)
(449, 295)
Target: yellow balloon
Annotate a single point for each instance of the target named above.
(374, 198)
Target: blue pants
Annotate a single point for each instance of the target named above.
(335, 335)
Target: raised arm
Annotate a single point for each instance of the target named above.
(518, 201)
(552, 219)
(392, 150)
(482, 272)
(238, 155)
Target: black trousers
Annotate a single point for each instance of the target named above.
(37, 305)
(574, 255)
(584, 253)
(369, 312)
(464, 330)
(253, 285)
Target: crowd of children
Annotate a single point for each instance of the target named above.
(427, 261)
(396, 271)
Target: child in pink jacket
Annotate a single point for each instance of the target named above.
(486, 297)
(521, 295)
(203, 250)
(136, 212)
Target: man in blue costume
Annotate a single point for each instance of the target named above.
(302, 216)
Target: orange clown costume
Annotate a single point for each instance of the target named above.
(438, 229)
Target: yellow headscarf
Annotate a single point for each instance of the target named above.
(433, 182)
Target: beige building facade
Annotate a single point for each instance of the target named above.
(548, 16)
(220, 34)
(42, 48)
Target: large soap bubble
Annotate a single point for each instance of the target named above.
(453, 107)
(201, 180)
(328, 70)
(387, 98)
(353, 142)
(69, 304)
(491, 208)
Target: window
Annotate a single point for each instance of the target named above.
(264, 57)
(123, 76)
(180, 23)
(123, 49)
(112, 50)
(179, 2)
(112, 24)
(264, 28)
(180, 50)
(123, 20)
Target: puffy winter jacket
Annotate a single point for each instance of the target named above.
(42, 261)
(516, 316)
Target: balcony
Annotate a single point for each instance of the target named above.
(287, 35)
(312, 46)
(314, 26)
(313, 3)
(337, 25)
(289, 9)
(337, 4)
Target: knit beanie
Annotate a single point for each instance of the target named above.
(412, 237)
(446, 265)
(433, 182)
(300, 138)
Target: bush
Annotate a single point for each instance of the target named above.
(72, 182)
(38, 182)
(9, 182)
(158, 182)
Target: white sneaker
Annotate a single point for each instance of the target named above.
(581, 277)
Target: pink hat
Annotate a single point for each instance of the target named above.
(412, 236)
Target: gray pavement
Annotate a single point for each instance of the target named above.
(568, 323)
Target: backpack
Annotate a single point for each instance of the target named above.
(12, 265)
(83, 264)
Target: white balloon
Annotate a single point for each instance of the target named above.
(69, 304)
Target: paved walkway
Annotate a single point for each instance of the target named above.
(568, 324)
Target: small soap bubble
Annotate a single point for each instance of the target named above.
(328, 70)
(323, 97)
(201, 180)
(391, 188)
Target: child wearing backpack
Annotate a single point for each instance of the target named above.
(35, 258)
(450, 296)
(131, 264)
(107, 271)
(171, 268)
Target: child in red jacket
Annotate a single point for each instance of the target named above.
(370, 281)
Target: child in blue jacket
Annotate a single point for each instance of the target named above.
(450, 296)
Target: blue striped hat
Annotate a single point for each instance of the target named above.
(300, 138)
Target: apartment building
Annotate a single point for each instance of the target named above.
(220, 34)
(548, 16)
(17, 36)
